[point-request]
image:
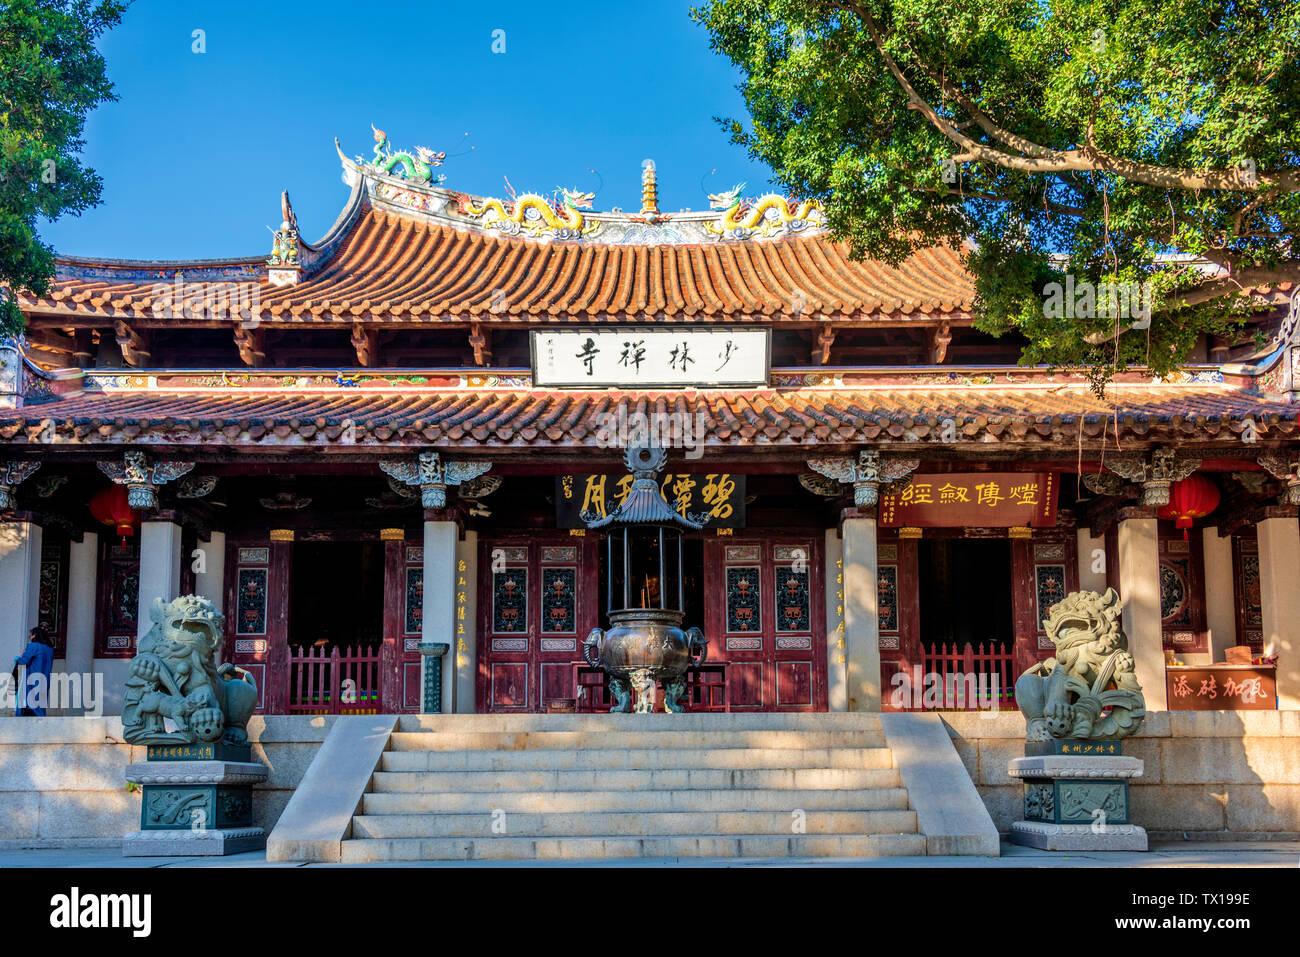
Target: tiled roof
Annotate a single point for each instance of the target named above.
(395, 268)
(558, 419)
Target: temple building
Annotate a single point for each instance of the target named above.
(380, 452)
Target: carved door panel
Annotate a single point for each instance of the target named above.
(1182, 591)
(1044, 570)
(403, 625)
(537, 601)
(897, 607)
(257, 616)
(766, 613)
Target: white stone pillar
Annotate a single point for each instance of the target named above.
(160, 567)
(83, 583)
(837, 697)
(439, 622)
(210, 576)
(861, 617)
(463, 657)
(1139, 585)
(1220, 605)
(1092, 562)
(20, 587)
(1279, 586)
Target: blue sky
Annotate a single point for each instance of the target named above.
(198, 146)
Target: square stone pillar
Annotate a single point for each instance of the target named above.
(1092, 562)
(160, 567)
(439, 621)
(1220, 604)
(83, 582)
(210, 576)
(861, 616)
(1139, 586)
(837, 697)
(1279, 586)
(464, 656)
(20, 586)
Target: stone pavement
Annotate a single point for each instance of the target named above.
(1182, 854)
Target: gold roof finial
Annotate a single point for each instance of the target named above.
(649, 189)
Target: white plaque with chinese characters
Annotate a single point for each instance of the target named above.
(632, 356)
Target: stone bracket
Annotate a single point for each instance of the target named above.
(432, 475)
(1155, 472)
(867, 474)
(143, 478)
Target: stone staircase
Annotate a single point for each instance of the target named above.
(533, 787)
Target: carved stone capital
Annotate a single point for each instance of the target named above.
(14, 473)
(867, 474)
(143, 478)
(432, 475)
(1155, 472)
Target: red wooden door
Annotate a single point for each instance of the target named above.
(766, 613)
(537, 602)
(257, 616)
(403, 624)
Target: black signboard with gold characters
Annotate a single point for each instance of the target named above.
(720, 496)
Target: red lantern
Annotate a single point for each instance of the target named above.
(110, 506)
(1189, 499)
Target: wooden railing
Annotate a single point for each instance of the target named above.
(969, 677)
(342, 681)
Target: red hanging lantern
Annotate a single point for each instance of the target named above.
(1189, 499)
(110, 506)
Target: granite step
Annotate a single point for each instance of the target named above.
(609, 759)
(643, 779)
(489, 823)
(456, 740)
(677, 723)
(686, 799)
(607, 847)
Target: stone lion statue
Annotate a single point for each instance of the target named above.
(1088, 689)
(174, 677)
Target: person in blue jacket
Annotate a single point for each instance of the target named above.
(37, 658)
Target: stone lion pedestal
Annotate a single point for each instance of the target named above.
(196, 802)
(192, 715)
(1079, 705)
(1078, 800)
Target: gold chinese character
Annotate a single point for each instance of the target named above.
(918, 493)
(461, 566)
(682, 492)
(717, 493)
(1025, 494)
(594, 498)
(950, 494)
(989, 494)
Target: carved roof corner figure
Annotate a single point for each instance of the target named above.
(1092, 671)
(174, 677)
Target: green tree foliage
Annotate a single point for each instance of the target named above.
(51, 76)
(1118, 141)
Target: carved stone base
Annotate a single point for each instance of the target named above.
(207, 843)
(1079, 837)
(194, 807)
(1077, 803)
